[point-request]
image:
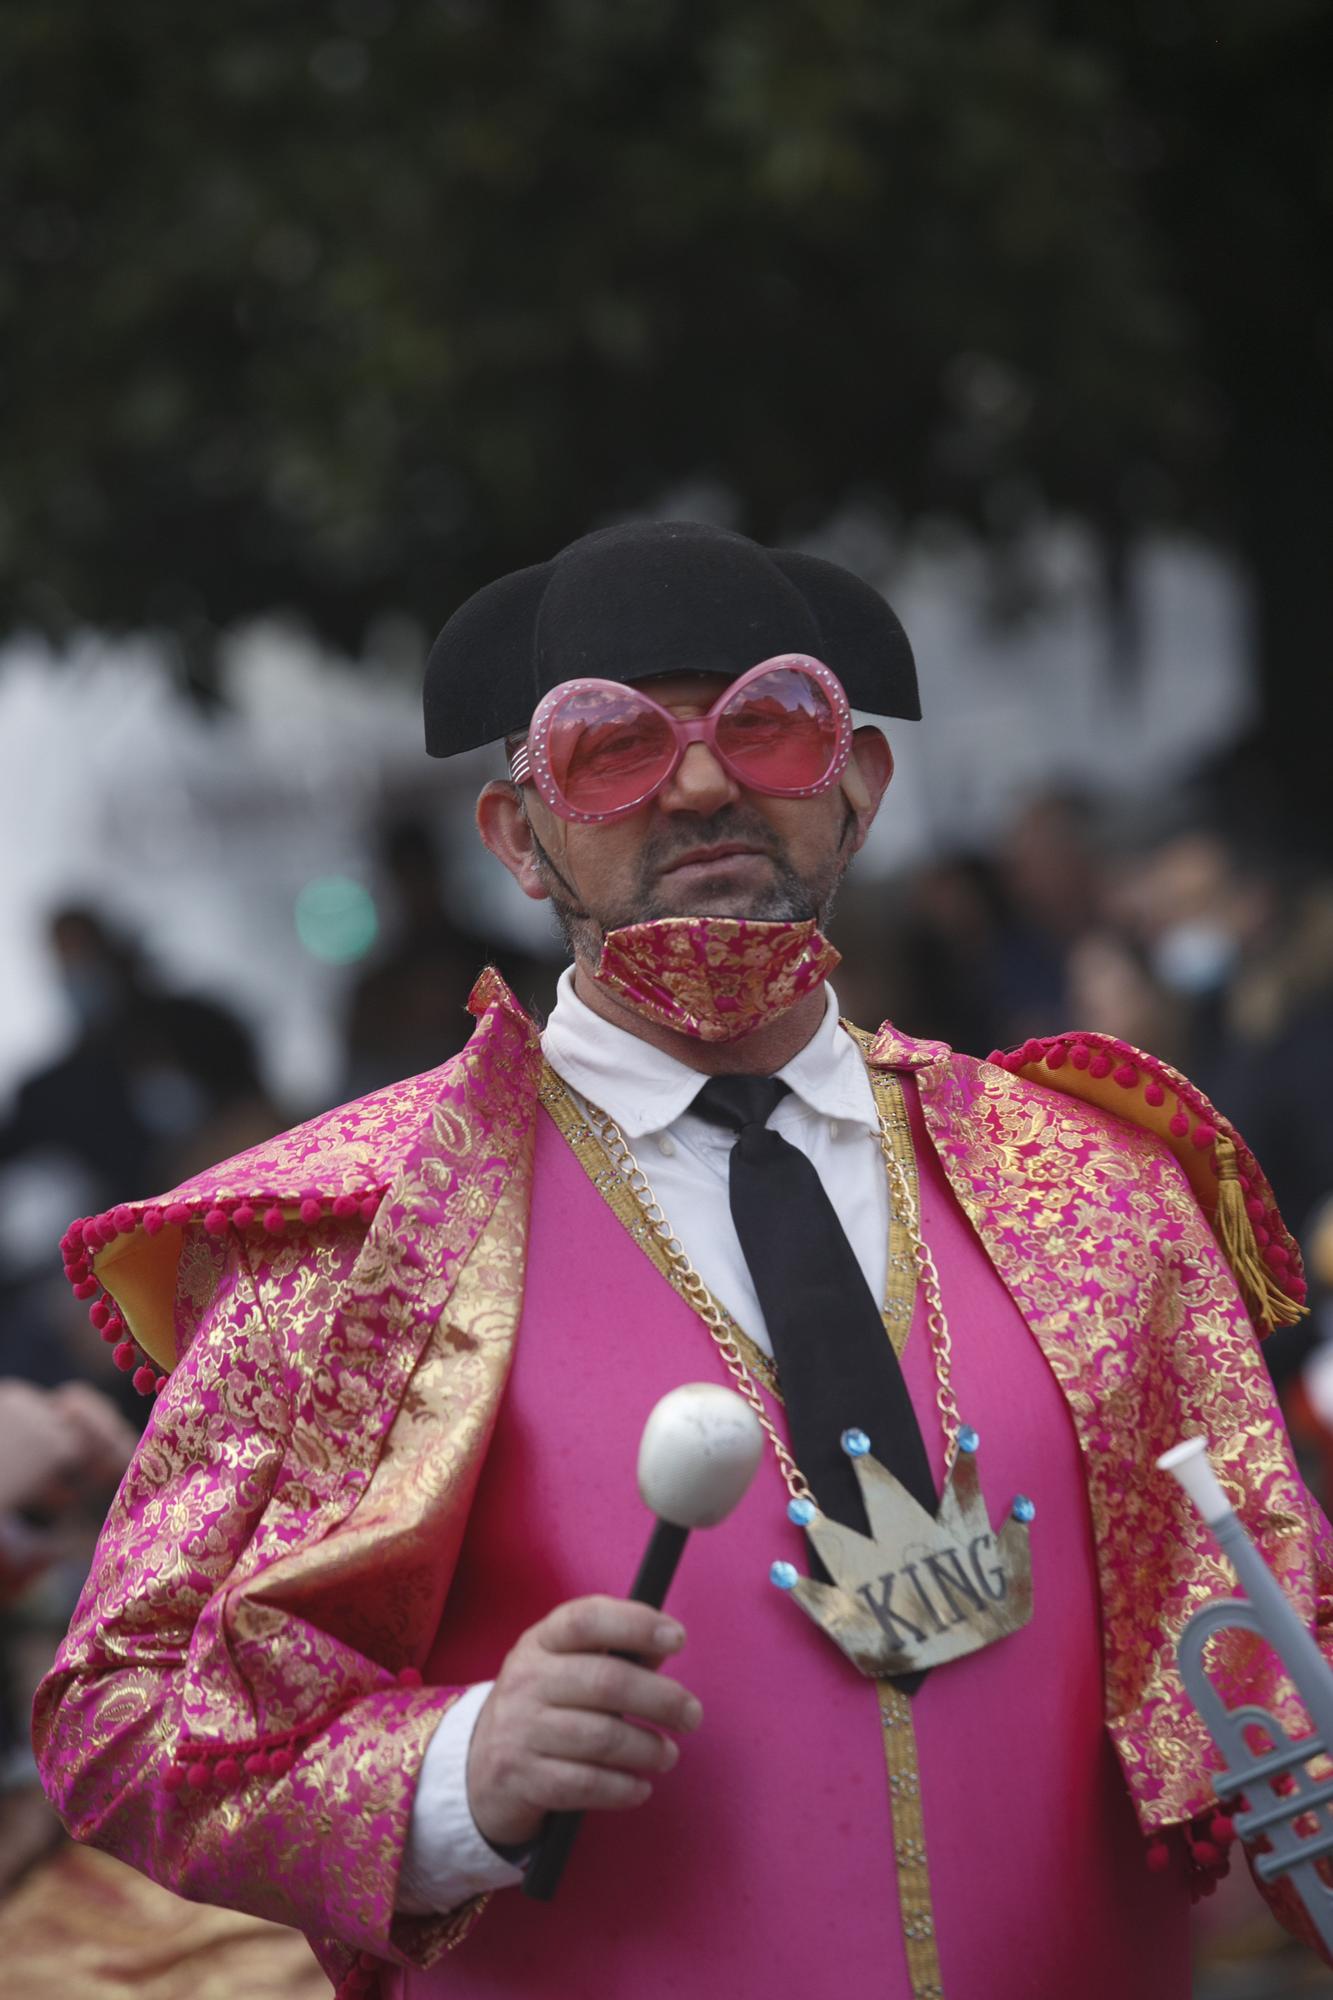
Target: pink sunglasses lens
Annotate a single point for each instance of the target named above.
(780, 731)
(607, 749)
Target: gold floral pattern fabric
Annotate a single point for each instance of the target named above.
(1095, 1230)
(83, 1926)
(235, 1707)
(271, 1572)
(714, 977)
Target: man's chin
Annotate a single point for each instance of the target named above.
(717, 903)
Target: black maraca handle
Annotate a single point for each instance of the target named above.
(542, 1876)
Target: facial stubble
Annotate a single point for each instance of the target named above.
(788, 896)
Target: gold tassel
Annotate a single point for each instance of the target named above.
(1267, 1301)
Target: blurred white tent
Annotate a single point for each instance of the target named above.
(198, 832)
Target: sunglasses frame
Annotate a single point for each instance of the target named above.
(530, 763)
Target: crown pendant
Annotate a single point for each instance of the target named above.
(917, 1592)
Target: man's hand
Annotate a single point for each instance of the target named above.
(39, 1445)
(563, 1729)
(54, 1443)
(105, 1440)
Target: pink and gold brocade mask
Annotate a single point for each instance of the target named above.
(714, 978)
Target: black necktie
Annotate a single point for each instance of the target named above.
(835, 1360)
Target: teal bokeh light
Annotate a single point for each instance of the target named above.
(336, 919)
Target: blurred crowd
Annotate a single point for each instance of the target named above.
(1193, 942)
(1212, 952)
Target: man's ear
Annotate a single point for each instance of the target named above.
(503, 826)
(867, 776)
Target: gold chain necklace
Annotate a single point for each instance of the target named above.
(688, 1281)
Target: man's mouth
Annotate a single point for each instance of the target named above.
(704, 857)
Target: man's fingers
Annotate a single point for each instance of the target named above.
(104, 1440)
(580, 1736)
(618, 1687)
(558, 1786)
(610, 1625)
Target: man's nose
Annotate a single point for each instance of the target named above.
(699, 784)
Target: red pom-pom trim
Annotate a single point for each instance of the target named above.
(99, 1313)
(1180, 1125)
(280, 1762)
(123, 1217)
(311, 1210)
(243, 1215)
(1203, 1136)
(145, 1379)
(1055, 1056)
(153, 1220)
(228, 1771)
(125, 1356)
(216, 1221)
(370, 1208)
(409, 1677)
(177, 1213)
(199, 1775)
(256, 1764)
(1127, 1076)
(1159, 1856)
(85, 1288)
(274, 1220)
(345, 1205)
(173, 1778)
(1154, 1094)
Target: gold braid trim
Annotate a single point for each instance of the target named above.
(897, 1727)
(909, 1843)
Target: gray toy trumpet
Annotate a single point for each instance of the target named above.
(1288, 1806)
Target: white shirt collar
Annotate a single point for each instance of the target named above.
(643, 1089)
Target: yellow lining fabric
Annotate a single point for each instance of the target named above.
(139, 1271)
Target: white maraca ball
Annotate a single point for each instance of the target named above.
(700, 1449)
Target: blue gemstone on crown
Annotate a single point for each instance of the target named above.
(1023, 1509)
(968, 1439)
(784, 1575)
(801, 1512)
(855, 1443)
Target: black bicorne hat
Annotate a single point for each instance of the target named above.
(656, 597)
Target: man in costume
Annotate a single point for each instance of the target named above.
(353, 1626)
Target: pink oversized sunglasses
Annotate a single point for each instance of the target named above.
(599, 749)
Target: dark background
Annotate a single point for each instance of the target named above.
(351, 306)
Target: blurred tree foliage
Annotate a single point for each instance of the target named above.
(349, 305)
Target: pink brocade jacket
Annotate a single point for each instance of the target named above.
(238, 1707)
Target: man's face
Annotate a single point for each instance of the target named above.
(704, 846)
